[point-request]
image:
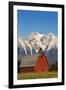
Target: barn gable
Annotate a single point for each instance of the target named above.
(41, 64)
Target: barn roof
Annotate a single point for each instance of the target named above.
(28, 60)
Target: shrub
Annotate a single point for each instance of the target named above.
(53, 67)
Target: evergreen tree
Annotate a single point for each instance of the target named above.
(40, 51)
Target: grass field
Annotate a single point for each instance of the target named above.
(33, 75)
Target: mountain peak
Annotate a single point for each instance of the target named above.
(37, 40)
(51, 35)
(34, 33)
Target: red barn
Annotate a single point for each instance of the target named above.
(41, 64)
(34, 63)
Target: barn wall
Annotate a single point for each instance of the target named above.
(41, 64)
(26, 69)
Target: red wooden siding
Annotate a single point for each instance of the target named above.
(41, 64)
(27, 69)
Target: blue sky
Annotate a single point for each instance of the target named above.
(36, 21)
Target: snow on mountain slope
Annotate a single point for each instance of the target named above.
(53, 42)
(27, 43)
(21, 42)
(33, 34)
(36, 40)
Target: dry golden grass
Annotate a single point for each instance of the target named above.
(32, 75)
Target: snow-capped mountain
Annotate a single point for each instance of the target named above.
(36, 40)
(32, 43)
